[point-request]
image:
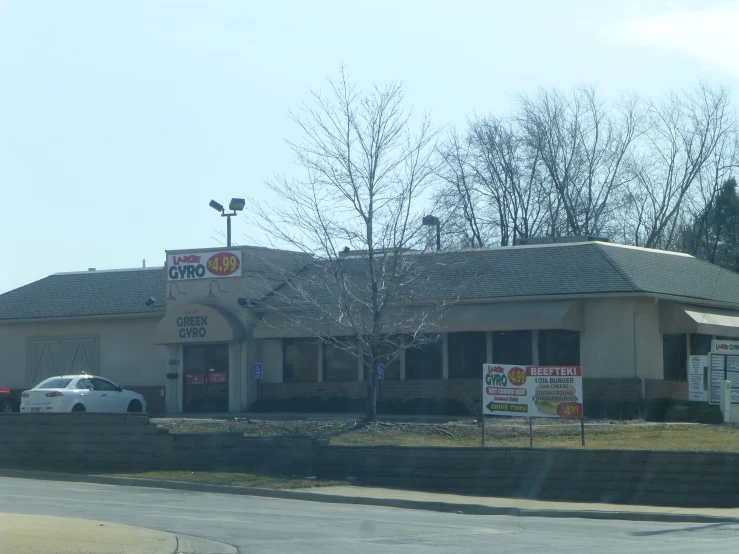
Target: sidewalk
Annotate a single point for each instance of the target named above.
(522, 507)
(416, 500)
(55, 535)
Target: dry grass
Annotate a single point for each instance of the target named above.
(499, 432)
(231, 479)
(626, 436)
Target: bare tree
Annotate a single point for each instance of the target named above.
(682, 136)
(458, 201)
(355, 208)
(491, 186)
(582, 145)
(509, 177)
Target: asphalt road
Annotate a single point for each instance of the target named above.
(267, 525)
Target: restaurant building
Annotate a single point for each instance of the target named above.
(187, 335)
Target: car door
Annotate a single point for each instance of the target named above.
(111, 397)
(88, 395)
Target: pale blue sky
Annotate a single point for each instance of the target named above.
(120, 120)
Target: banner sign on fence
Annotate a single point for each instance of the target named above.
(532, 391)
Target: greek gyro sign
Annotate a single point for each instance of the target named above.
(532, 391)
(203, 265)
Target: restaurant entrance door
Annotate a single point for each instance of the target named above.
(205, 369)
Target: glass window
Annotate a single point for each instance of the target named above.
(104, 385)
(340, 364)
(700, 345)
(54, 383)
(300, 360)
(425, 361)
(467, 354)
(559, 347)
(675, 357)
(512, 347)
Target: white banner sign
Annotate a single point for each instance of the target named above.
(724, 367)
(204, 265)
(532, 391)
(725, 346)
(697, 370)
(718, 364)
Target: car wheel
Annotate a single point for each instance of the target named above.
(6, 406)
(134, 406)
(78, 408)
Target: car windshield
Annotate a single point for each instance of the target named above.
(54, 383)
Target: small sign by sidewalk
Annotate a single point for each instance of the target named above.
(258, 371)
(380, 372)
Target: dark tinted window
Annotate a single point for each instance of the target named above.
(467, 354)
(102, 384)
(300, 360)
(559, 347)
(53, 383)
(340, 363)
(700, 345)
(425, 361)
(388, 349)
(512, 347)
(675, 357)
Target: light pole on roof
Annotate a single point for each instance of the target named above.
(431, 220)
(236, 205)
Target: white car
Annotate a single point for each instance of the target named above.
(80, 393)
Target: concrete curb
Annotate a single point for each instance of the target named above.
(431, 506)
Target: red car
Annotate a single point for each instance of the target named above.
(8, 402)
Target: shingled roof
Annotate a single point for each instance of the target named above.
(589, 268)
(89, 293)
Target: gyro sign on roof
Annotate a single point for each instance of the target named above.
(203, 265)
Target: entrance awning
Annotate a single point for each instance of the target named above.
(198, 323)
(712, 321)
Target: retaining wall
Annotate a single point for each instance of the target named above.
(600, 389)
(124, 442)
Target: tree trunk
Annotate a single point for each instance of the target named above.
(371, 416)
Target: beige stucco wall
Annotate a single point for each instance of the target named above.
(127, 353)
(607, 345)
(493, 316)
